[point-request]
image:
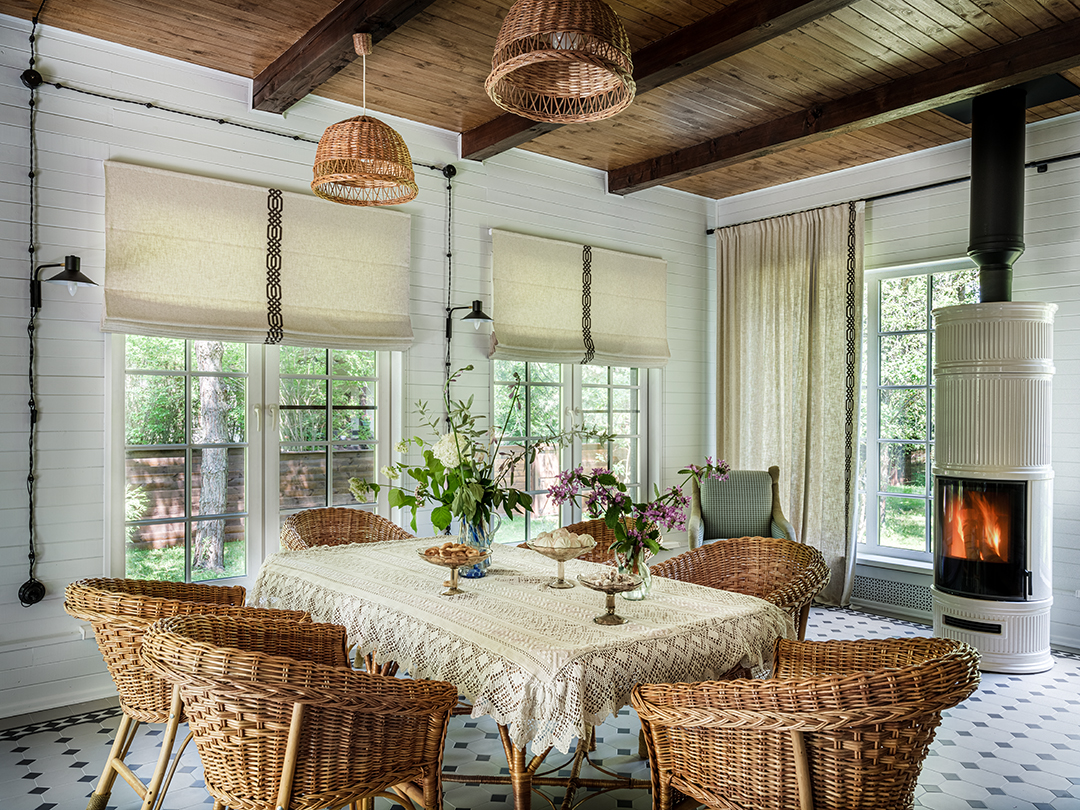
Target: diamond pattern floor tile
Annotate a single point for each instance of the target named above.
(1015, 745)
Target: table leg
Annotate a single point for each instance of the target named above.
(521, 772)
(520, 776)
(524, 778)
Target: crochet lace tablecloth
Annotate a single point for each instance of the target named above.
(529, 656)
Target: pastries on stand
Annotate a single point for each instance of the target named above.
(453, 556)
(561, 545)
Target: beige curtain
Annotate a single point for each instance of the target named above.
(789, 325)
(562, 302)
(195, 257)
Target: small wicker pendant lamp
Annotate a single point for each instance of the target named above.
(561, 62)
(362, 161)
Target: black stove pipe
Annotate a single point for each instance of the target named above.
(996, 229)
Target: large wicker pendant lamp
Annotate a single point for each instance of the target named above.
(362, 161)
(561, 62)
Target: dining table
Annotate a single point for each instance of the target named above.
(529, 656)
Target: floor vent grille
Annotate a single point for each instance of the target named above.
(887, 592)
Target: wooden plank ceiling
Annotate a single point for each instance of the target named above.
(734, 95)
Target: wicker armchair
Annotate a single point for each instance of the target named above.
(120, 611)
(841, 725)
(783, 572)
(276, 729)
(745, 504)
(336, 525)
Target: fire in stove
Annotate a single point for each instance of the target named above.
(980, 535)
(976, 526)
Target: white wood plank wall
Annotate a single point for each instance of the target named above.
(43, 660)
(933, 224)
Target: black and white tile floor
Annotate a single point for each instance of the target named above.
(1013, 745)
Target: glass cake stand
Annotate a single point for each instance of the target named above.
(453, 563)
(561, 555)
(610, 589)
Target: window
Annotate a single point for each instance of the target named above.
(221, 441)
(896, 487)
(329, 430)
(185, 459)
(598, 397)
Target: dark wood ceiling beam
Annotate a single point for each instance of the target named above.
(327, 48)
(1050, 51)
(732, 30)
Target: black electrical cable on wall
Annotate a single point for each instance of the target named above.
(448, 172)
(150, 105)
(32, 591)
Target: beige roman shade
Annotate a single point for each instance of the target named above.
(192, 257)
(560, 302)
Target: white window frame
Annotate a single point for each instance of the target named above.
(263, 515)
(572, 387)
(869, 547)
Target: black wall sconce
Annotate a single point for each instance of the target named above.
(33, 591)
(70, 275)
(477, 316)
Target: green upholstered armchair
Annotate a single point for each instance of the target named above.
(747, 504)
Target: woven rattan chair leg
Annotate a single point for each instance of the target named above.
(407, 795)
(125, 733)
(154, 790)
(642, 747)
(804, 616)
(802, 771)
(172, 770)
(292, 751)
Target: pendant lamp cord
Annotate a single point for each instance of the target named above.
(32, 590)
(363, 71)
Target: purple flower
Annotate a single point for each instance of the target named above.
(566, 486)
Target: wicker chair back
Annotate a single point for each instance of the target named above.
(841, 725)
(276, 726)
(335, 526)
(783, 572)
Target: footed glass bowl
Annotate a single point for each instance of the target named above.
(453, 563)
(596, 583)
(561, 555)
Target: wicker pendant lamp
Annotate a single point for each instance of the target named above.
(362, 161)
(561, 62)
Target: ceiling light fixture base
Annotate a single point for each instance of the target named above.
(31, 79)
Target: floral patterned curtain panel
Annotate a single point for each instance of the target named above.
(789, 326)
(561, 302)
(193, 257)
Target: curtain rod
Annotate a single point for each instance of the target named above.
(1040, 165)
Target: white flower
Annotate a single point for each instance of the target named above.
(450, 454)
(360, 489)
(402, 447)
(389, 472)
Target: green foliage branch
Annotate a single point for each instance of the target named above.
(468, 471)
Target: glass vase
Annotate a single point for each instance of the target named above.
(479, 535)
(638, 565)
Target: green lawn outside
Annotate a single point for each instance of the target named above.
(167, 564)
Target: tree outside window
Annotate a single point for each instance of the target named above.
(185, 459)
